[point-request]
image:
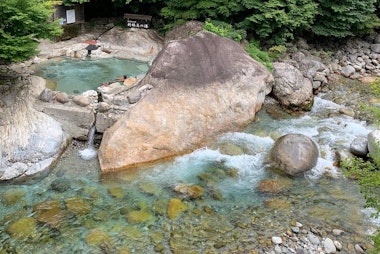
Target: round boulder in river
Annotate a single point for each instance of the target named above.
(294, 154)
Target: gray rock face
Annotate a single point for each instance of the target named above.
(373, 140)
(359, 146)
(294, 154)
(30, 141)
(291, 88)
(202, 86)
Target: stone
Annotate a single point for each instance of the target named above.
(347, 112)
(276, 240)
(98, 237)
(75, 120)
(61, 184)
(373, 141)
(337, 232)
(313, 239)
(291, 89)
(82, 100)
(193, 191)
(41, 143)
(46, 95)
(338, 245)
(274, 186)
(77, 206)
(172, 118)
(375, 47)
(294, 154)
(329, 246)
(23, 228)
(347, 71)
(359, 146)
(134, 97)
(175, 208)
(139, 216)
(103, 106)
(277, 204)
(62, 97)
(54, 217)
(12, 196)
(116, 192)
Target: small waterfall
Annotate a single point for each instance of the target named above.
(89, 152)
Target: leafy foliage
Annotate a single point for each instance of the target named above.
(21, 24)
(345, 18)
(225, 30)
(276, 21)
(253, 49)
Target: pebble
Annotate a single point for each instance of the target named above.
(329, 246)
(276, 240)
(338, 245)
(337, 232)
(313, 239)
(358, 248)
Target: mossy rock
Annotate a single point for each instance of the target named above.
(77, 206)
(98, 237)
(192, 191)
(149, 188)
(46, 206)
(53, 217)
(23, 228)
(116, 192)
(230, 149)
(175, 208)
(139, 217)
(12, 196)
(274, 186)
(277, 204)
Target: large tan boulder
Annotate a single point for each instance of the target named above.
(202, 86)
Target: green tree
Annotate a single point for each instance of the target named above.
(21, 24)
(276, 21)
(345, 18)
(177, 12)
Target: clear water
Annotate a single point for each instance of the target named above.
(230, 217)
(75, 76)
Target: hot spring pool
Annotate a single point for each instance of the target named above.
(75, 76)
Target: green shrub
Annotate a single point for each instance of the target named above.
(276, 52)
(256, 53)
(225, 30)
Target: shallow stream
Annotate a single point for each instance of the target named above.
(75, 209)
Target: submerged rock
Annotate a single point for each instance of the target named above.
(23, 228)
(12, 196)
(175, 208)
(202, 86)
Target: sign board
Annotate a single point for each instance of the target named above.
(70, 16)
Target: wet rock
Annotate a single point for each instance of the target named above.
(347, 112)
(230, 149)
(116, 192)
(77, 206)
(192, 191)
(53, 217)
(139, 217)
(359, 146)
(61, 184)
(294, 154)
(12, 196)
(277, 204)
(98, 237)
(274, 186)
(23, 228)
(175, 208)
(150, 188)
